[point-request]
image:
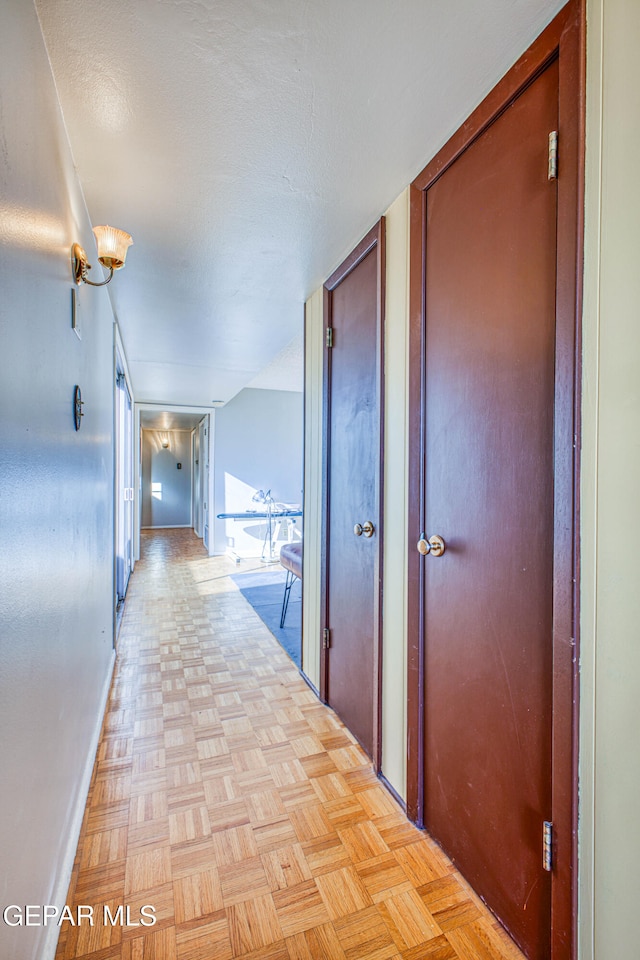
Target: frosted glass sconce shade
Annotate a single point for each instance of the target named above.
(112, 252)
(112, 246)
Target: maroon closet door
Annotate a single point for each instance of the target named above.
(489, 462)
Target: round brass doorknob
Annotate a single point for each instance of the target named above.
(434, 545)
(366, 528)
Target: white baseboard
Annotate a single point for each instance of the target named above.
(61, 888)
(171, 526)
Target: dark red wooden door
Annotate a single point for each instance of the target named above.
(489, 462)
(354, 310)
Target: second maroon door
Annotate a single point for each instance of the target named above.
(353, 314)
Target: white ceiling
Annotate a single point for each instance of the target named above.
(169, 420)
(247, 145)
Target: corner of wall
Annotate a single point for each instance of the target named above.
(394, 625)
(312, 487)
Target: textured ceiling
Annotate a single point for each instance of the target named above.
(169, 420)
(247, 145)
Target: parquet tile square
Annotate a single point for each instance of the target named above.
(449, 902)
(195, 857)
(157, 945)
(191, 823)
(364, 936)
(298, 794)
(419, 867)
(318, 765)
(383, 877)
(146, 834)
(300, 907)
(226, 814)
(265, 806)
(310, 822)
(288, 772)
(278, 833)
(343, 892)
(160, 897)
(148, 761)
(326, 854)
(437, 949)
(146, 869)
(234, 844)
(362, 841)
(243, 880)
(227, 797)
(480, 940)
(197, 895)
(85, 940)
(104, 847)
(318, 943)
(396, 831)
(107, 881)
(183, 774)
(253, 924)
(286, 866)
(408, 919)
(344, 811)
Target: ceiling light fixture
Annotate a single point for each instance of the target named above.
(112, 252)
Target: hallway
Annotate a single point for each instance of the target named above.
(230, 800)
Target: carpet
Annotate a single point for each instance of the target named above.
(264, 591)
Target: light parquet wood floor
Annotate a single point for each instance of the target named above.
(229, 799)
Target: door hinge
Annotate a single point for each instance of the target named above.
(553, 155)
(547, 845)
(328, 341)
(326, 638)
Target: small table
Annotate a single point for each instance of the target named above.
(275, 520)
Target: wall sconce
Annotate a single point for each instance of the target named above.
(112, 252)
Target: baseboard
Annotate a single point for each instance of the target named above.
(171, 526)
(61, 888)
(394, 793)
(310, 684)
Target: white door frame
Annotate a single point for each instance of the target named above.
(169, 408)
(120, 367)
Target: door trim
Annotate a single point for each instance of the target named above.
(374, 240)
(562, 39)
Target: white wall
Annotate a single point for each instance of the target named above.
(610, 576)
(257, 446)
(394, 610)
(56, 490)
(311, 613)
(169, 506)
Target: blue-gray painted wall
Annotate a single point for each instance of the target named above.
(56, 487)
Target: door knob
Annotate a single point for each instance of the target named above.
(366, 528)
(434, 545)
